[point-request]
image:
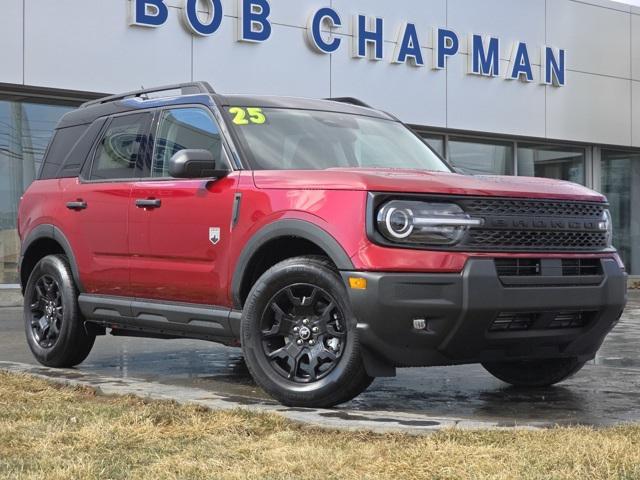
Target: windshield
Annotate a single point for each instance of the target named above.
(288, 139)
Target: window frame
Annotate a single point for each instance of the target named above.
(532, 145)
(144, 171)
(496, 141)
(592, 150)
(85, 173)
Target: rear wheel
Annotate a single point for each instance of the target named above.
(53, 324)
(299, 336)
(535, 373)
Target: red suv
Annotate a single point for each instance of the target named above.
(324, 237)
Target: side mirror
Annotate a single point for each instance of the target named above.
(194, 164)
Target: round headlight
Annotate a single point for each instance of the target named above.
(399, 222)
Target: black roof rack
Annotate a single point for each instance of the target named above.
(350, 100)
(185, 89)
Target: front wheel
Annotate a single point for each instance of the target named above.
(299, 335)
(535, 373)
(53, 323)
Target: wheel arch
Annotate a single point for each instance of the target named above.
(45, 240)
(292, 237)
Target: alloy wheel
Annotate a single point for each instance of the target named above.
(46, 311)
(303, 333)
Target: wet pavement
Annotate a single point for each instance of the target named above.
(605, 392)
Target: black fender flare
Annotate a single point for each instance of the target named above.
(287, 228)
(54, 233)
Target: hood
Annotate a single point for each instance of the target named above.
(421, 181)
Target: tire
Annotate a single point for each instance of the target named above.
(535, 373)
(54, 326)
(308, 294)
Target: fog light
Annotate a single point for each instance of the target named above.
(419, 323)
(358, 283)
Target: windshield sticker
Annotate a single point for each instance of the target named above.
(247, 116)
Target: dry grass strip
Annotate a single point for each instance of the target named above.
(56, 432)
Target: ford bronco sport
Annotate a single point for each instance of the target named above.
(322, 236)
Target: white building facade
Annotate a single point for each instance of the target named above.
(515, 87)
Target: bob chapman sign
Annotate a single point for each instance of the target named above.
(367, 39)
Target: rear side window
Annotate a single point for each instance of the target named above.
(120, 148)
(75, 159)
(185, 128)
(61, 147)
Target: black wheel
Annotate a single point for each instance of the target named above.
(54, 328)
(535, 373)
(299, 336)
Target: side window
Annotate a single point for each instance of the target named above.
(185, 128)
(61, 146)
(120, 148)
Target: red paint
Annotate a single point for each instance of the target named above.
(420, 181)
(166, 253)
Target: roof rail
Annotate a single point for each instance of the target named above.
(350, 100)
(185, 89)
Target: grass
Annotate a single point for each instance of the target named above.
(56, 432)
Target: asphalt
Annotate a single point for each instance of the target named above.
(605, 392)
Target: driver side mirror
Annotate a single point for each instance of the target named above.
(194, 164)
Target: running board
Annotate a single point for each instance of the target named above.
(158, 318)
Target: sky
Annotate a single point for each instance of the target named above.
(630, 2)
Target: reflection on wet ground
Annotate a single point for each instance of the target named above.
(606, 391)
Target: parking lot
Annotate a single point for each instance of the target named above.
(605, 392)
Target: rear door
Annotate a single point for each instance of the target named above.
(180, 229)
(97, 205)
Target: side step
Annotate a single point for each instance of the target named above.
(162, 319)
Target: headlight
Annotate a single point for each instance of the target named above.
(429, 223)
(606, 224)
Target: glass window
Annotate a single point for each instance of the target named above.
(481, 157)
(61, 146)
(26, 128)
(185, 128)
(317, 140)
(120, 148)
(435, 141)
(621, 185)
(562, 163)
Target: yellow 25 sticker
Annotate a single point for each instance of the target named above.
(245, 116)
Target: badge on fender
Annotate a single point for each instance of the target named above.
(214, 235)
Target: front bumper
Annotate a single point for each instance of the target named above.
(461, 310)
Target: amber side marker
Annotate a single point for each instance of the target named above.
(358, 283)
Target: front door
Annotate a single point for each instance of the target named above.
(180, 230)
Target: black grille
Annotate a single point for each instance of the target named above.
(535, 225)
(500, 206)
(521, 321)
(536, 240)
(581, 266)
(517, 267)
(566, 267)
(513, 321)
(571, 320)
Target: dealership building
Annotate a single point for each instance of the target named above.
(546, 88)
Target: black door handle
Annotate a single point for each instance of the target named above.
(79, 205)
(148, 203)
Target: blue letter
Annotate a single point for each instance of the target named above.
(323, 16)
(148, 13)
(362, 37)
(408, 46)
(553, 69)
(481, 61)
(193, 22)
(445, 44)
(253, 20)
(520, 63)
